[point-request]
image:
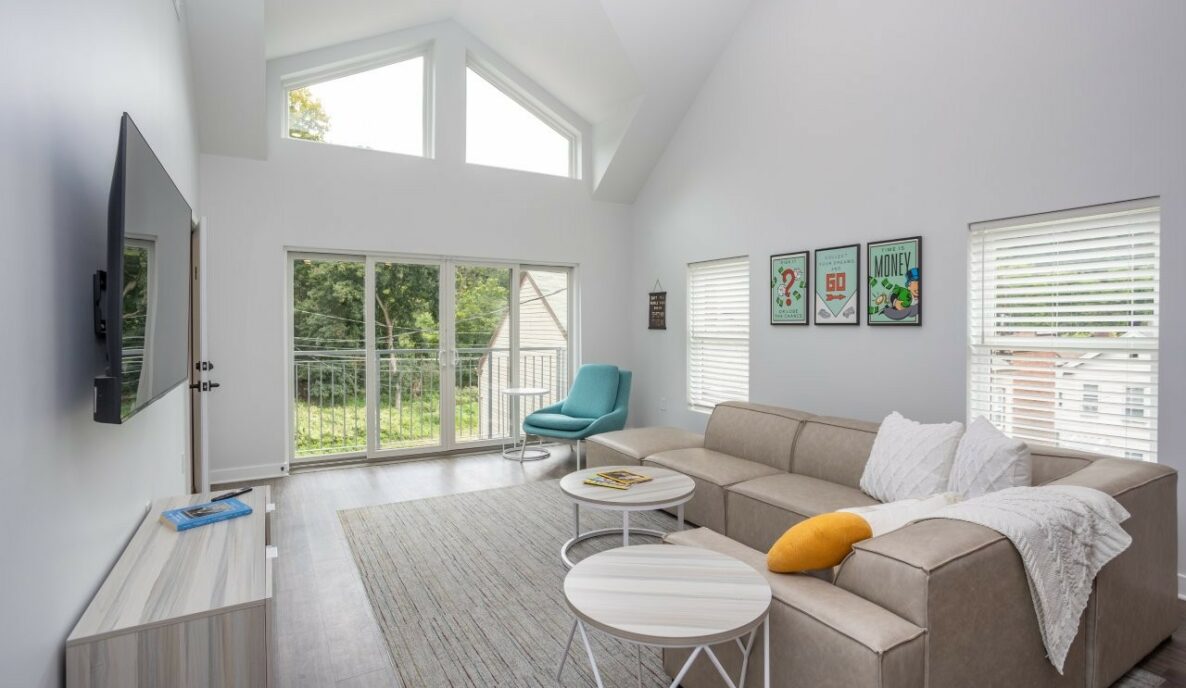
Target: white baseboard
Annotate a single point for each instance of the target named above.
(264, 471)
(1182, 586)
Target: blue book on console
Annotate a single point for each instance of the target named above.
(195, 515)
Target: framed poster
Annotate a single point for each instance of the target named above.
(837, 285)
(895, 282)
(790, 288)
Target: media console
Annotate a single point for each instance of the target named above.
(193, 608)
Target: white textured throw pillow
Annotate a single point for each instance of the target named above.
(910, 460)
(988, 460)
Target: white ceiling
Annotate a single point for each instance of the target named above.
(630, 68)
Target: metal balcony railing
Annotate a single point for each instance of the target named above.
(330, 404)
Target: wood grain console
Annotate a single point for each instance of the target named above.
(183, 609)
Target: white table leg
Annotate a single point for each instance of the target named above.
(567, 647)
(589, 651)
(638, 651)
(625, 528)
(679, 512)
(766, 650)
(576, 513)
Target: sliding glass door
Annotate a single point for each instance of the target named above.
(393, 356)
(407, 371)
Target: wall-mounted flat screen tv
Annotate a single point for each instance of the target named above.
(142, 298)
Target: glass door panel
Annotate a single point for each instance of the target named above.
(328, 357)
(408, 357)
(482, 349)
(543, 333)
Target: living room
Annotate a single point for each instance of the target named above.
(447, 260)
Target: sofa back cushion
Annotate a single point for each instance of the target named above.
(834, 449)
(765, 434)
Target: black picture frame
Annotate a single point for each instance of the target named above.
(830, 322)
(809, 288)
(917, 322)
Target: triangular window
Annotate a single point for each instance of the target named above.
(502, 130)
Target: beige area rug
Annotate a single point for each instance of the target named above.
(467, 588)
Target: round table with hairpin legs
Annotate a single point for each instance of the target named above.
(670, 596)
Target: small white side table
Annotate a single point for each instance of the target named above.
(670, 596)
(519, 451)
(666, 489)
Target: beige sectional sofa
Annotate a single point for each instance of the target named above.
(937, 603)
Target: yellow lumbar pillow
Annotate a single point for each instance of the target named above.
(820, 542)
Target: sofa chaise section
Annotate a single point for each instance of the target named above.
(820, 635)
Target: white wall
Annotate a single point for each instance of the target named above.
(73, 490)
(828, 123)
(312, 195)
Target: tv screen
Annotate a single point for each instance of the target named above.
(142, 299)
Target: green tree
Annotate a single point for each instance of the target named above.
(307, 118)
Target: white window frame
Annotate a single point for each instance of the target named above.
(1128, 362)
(338, 70)
(699, 399)
(513, 91)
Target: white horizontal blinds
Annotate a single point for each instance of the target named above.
(1063, 327)
(718, 332)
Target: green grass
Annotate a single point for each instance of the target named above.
(324, 429)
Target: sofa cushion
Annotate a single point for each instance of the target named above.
(635, 444)
(802, 495)
(712, 466)
(834, 449)
(558, 421)
(712, 472)
(765, 434)
(759, 511)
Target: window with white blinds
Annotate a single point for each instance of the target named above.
(1063, 327)
(718, 332)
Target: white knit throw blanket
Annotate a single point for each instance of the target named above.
(1064, 534)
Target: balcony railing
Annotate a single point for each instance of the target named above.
(330, 409)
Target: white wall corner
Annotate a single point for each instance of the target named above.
(1182, 586)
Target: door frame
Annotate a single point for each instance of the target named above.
(446, 346)
(197, 469)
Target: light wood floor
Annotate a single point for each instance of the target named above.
(326, 634)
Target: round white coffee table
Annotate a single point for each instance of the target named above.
(665, 490)
(520, 451)
(670, 596)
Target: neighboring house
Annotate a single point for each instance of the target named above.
(1096, 402)
(543, 352)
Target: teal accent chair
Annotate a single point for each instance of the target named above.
(598, 402)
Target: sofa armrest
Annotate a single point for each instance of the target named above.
(1134, 606)
(966, 585)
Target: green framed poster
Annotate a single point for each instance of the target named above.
(837, 285)
(790, 288)
(895, 282)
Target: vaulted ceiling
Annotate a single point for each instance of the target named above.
(630, 68)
